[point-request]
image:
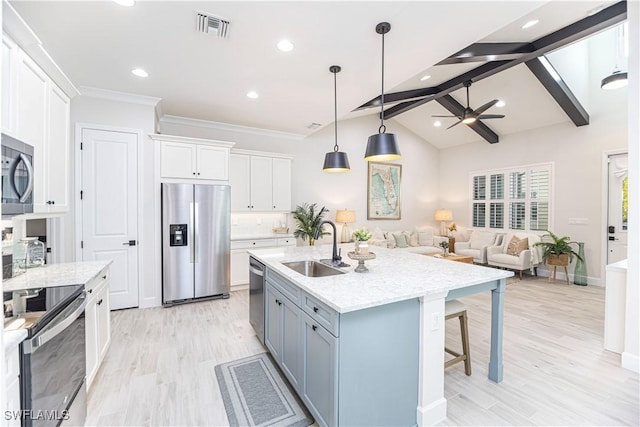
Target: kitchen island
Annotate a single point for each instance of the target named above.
(382, 331)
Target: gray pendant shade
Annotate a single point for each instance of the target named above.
(382, 147)
(336, 161)
(614, 81)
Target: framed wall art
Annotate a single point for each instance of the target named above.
(383, 191)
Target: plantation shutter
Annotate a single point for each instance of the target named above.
(540, 189)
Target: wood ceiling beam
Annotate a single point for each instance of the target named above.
(558, 89)
(454, 107)
(483, 52)
(578, 30)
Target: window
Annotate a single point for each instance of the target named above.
(516, 198)
(625, 202)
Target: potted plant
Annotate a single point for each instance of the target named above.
(361, 237)
(557, 250)
(445, 246)
(308, 221)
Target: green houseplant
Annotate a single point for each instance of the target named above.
(361, 237)
(557, 250)
(308, 220)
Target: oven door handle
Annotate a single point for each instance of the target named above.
(30, 346)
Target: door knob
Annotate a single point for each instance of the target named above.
(129, 243)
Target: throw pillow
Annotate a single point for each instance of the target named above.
(412, 238)
(516, 246)
(401, 240)
(391, 242)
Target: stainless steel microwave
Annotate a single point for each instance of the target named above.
(17, 177)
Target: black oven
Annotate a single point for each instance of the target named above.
(53, 357)
(17, 177)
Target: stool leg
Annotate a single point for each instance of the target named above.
(465, 343)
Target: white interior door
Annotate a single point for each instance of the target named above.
(618, 206)
(110, 209)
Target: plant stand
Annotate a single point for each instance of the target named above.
(361, 258)
(558, 261)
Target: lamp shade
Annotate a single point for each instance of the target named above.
(345, 216)
(336, 161)
(382, 147)
(443, 215)
(614, 81)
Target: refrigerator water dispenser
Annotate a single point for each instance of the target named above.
(177, 234)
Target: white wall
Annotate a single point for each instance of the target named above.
(419, 183)
(578, 176)
(631, 355)
(131, 116)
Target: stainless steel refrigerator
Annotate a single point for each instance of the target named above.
(196, 243)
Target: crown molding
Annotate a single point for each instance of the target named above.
(261, 153)
(19, 31)
(159, 137)
(113, 95)
(207, 124)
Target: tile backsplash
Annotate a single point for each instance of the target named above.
(247, 224)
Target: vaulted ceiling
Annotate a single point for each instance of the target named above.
(204, 77)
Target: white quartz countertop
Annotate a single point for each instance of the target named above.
(72, 273)
(259, 236)
(393, 275)
(11, 339)
(618, 266)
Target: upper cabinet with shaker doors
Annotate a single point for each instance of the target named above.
(193, 158)
(260, 182)
(36, 111)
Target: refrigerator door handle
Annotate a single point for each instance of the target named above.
(192, 232)
(196, 229)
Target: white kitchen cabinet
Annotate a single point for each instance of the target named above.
(193, 158)
(260, 182)
(240, 256)
(37, 112)
(97, 323)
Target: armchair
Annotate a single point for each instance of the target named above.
(477, 245)
(530, 258)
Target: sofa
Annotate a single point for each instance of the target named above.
(420, 240)
(516, 252)
(477, 245)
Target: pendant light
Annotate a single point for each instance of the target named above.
(382, 146)
(336, 161)
(616, 79)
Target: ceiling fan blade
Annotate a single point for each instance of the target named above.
(491, 116)
(456, 123)
(485, 107)
(446, 116)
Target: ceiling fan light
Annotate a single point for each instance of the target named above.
(336, 161)
(382, 147)
(616, 80)
(468, 120)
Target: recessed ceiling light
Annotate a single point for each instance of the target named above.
(252, 94)
(500, 103)
(437, 123)
(285, 45)
(426, 77)
(530, 24)
(127, 3)
(140, 72)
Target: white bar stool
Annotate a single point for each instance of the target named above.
(455, 308)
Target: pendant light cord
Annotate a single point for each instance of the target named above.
(382, 128)
(335, 110)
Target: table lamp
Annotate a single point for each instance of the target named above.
(345, 217)
(443, 215)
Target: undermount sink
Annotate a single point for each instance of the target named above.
(312, 268)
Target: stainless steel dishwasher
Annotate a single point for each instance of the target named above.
(256, 297)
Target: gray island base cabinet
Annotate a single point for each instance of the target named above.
(355, 368)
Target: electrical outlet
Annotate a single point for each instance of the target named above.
(435, 321)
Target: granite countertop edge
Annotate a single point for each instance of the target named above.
(50, 275)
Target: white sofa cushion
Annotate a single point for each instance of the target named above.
(425, 236)
(480, 239)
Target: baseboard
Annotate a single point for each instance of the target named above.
(239, 287)
(560, 277)
(631, 362)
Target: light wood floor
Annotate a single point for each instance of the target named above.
(160, 367)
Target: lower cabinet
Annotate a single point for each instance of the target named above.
(12, 383)
(97, 323)
(282, 333)
(320, 357)
(240, 256)
(355, 368)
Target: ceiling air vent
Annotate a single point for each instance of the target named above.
(210, 24)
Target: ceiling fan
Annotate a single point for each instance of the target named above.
(470, 116)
